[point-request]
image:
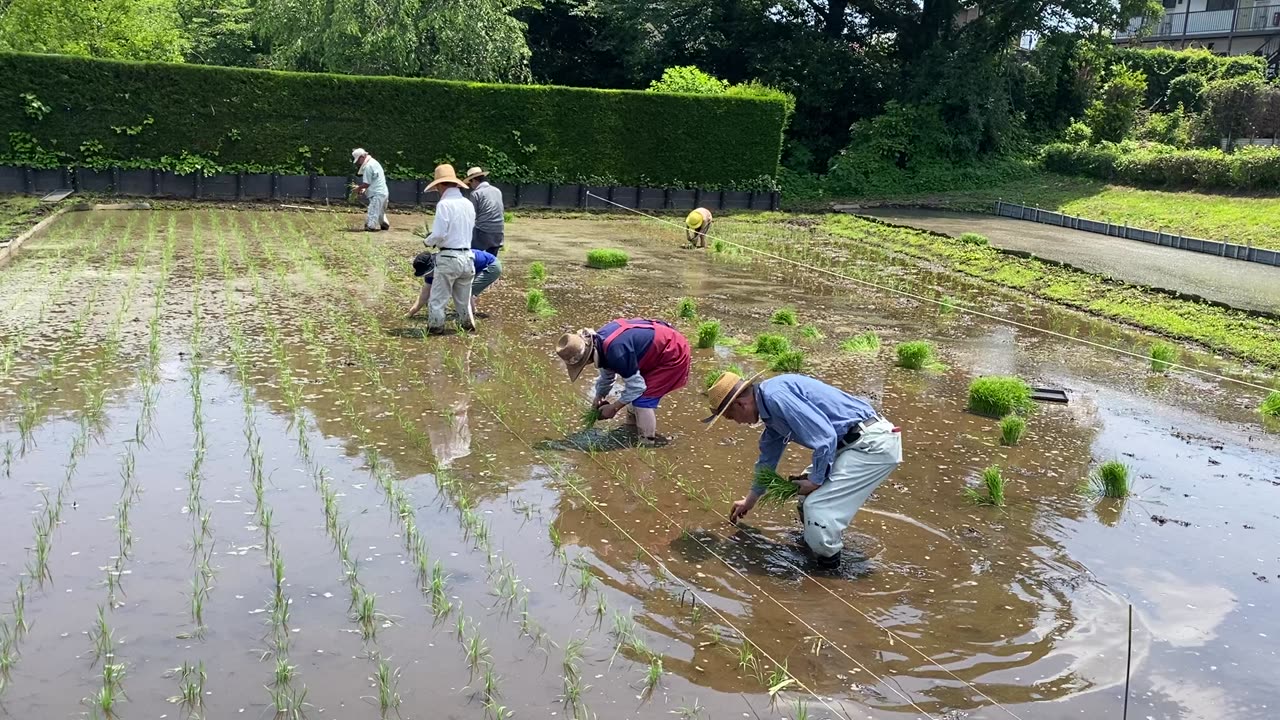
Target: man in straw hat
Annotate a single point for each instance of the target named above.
(651, 356)
(697, 225)
(373, 186)
(854, 449)
(490, 226)
(455, 266)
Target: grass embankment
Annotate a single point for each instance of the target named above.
(17, 213)
(1241, 219)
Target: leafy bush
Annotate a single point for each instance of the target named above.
(998, 396)
(1162, 166)
(708, 333)
(1111, 116)
(688, 79)
(266, 121)
(603, 258)
(973, 238)
(1186, 91)
(1163, 68)
(1077, 133)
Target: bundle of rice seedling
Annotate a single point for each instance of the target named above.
(711, 377)
(1270, 406)
(604, 258)
(590, 416)
(918, 355)
(1162, 356)
(787, 361)
(1111, 480)
(708, 333)
(536, 302)
(770, 344)
(997, 396)
(537, 271)
(868, 343)
(811, 332)
(686, 309)
(777, 489)
(785, 316)
(994, 482)
(973, 238)
(1011, 429)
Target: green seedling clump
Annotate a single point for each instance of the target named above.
(948, 306)
(1162, 356)
(1270, 407)
(604, 258)
(787, 361)
(1011, 429)
(994, 482)
(997, 396)
(710, 378)
(769, 344)
(590, 416)
(708, 333)
(785, 316)
(811, 332)
(537, 271)
(918, 355)
(868, 343)
(536, 302)
(687, 309)
(508, 217)
(777, 489)
(1111, 480)
(973, 238)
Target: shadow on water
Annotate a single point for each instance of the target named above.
(751, 551)
(596, 440)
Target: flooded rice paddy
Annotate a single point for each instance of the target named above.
(237, 483)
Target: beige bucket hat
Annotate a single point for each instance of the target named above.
(725, 390)
(576, 350)
(474, 173)
(445, 174)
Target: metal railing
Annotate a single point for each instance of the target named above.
(1256, 19)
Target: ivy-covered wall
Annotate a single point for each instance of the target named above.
(63, 111)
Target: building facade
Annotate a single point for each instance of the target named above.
(1226, 27)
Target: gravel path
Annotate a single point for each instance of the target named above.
(1240, 284)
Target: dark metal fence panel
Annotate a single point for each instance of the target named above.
(1157, 237)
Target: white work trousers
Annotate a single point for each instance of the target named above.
(455, 270)
(856, 473)
(377, 214)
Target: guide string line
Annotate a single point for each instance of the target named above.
(658, 561)
(935, 301)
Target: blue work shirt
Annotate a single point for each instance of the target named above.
(808, 412)
(624, 353)
(482, 260)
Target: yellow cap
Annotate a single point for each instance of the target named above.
(694, 221)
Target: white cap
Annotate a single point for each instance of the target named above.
(355, 154)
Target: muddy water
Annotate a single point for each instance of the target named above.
(1023, 606)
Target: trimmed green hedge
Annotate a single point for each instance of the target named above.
(59, 110)
(1163, 166)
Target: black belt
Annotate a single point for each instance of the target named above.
(445, 250)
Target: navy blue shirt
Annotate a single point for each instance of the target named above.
(624, 353)
(482, 260)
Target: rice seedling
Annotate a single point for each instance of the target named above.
(1270, 405)
(747, 657)
(770, 344)
(496, 711)
(811, 332)
(994, 482)
(105, 700)
(1011, 429)
(998, 396)
(535, 301)
(489, 684)
(284, 671)
(8, 458)
(778, 680)
(590, 416)
(653, 675)
(289, 703)
(708, 333)
(537, 271)
(686, 309)
(1110, 480)
(387, 681)
(918, 355)
(947, 306)
(785, 316)
(571, 664)
(586, 578)
(787, 361)
(691, 712)
(777, 489)
(477, 651)
(1163, 355)
(972, 238)
(867, 343)
(605, 258)
(801, 711)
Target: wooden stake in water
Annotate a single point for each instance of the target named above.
(1128, 664)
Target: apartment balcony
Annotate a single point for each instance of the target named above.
(1256, 20)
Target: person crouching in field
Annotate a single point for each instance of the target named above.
(373, 186)
(488, 270)
(651, 357)
(697, 225)
(854, 449)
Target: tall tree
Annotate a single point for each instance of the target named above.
(122, 29)
(221, 31)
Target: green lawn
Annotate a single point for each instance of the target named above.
(1233, 218)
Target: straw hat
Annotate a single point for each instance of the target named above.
(694, 221)
(576, 350)
(725, 390)
(445, 174)
(474, 173)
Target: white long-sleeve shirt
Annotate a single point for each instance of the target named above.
(454, 221)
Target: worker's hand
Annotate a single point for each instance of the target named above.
(741, 508)
(411, 312)
(600, 401)
(804, 486)
(608, 411)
